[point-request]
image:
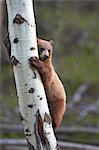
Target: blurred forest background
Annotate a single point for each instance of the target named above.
(74, 26)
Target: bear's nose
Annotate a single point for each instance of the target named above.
(45, 57)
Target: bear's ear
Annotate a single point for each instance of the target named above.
(52, 43)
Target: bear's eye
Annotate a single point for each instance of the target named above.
(49, 50)
(42, 49)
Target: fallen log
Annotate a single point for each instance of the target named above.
(22, 142)
(8, 128)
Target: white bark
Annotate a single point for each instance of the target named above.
(31, 94)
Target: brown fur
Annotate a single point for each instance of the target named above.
(53, 87)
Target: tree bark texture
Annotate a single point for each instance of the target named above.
(33, 107)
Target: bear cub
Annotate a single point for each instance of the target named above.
(53, 86)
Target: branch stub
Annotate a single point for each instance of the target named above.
(19, 19)
(47, 118)
(14, 61)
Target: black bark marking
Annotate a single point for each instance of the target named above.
(41, 98)
(32, 48)
(58, 147)
(22, 118)
(31, 90)
(38, 95)
(16, 40)
(30, 106)
(14, 61)
(34, 75)
(47, 118)
(19, 19)
(25, 84)
(29, 134)
(31, 147)
(7, 44)
(48, 132)
(27, 130)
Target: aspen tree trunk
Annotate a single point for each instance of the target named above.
(31, 95)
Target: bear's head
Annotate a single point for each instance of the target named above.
(45, 49)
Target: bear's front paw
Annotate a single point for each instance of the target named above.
(34, 61)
